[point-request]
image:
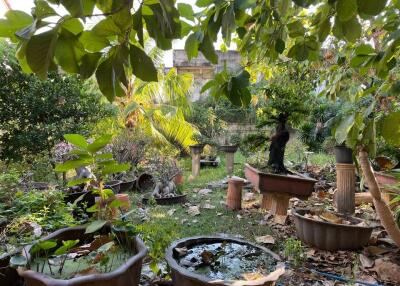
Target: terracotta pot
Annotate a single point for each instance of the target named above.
(234, 196)
(343, 155)
(127, 186)
(330, 236)
(145, 182)
(9, 275)
(180, 199)
(229, 148)
(127, 274)
(182, 277)
(113, 185)
(178, 179)
(298, 185)
(197, 148)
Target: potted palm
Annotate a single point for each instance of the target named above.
(105, 251)
(282, 107)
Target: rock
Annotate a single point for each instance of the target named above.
(204, 192)
(387, 271)
(249, 197)
(266, 239)
(193, 210)
(181, 251)
(365, 261)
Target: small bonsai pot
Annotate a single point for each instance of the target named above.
(343, 155)
(127, 186)
(296, 185)
(113, 185)
(179, 199)
(127, 274)
(197, 148)
(183, 277)
(229, 148)
(9, 275)
(145, 182)
(178, 179)
(330, 236)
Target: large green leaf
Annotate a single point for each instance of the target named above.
(67, 245)
(89, 64)
(95, 226)
(207, 49)
(192, 46)
(390, 128)
(246, 4)
(77, 140)
(107, 79)
(228, 24)
(73, 25)
(343, 128)
(346, 9)
(371, 7)
(78, 8)
(40, 51)
(350, 30)
(15, 20)
(106, 28)
(203, 3)
(238, 92)
(115, 168)
(296, 29)
(71, 164)
(69, 51)
(142, 65)
(186, 11)
(99, 143)
(93, 42)
(42, 10)
(137, 24)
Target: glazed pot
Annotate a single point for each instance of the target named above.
(113, 185)
(127, 274)
(145, 182)
(197, 148)
(296, 185)
(330, 236)
(229, 148)
(178, 179)
(127, 186)
(9, 275)
(179, 199)
(183, 277)
(343, 155)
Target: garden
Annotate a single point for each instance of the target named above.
(285, 171)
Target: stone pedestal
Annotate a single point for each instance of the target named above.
(345, 193)
(196, 151)
(230, 161)
(234, 196)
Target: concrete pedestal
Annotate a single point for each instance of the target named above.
(345, 193)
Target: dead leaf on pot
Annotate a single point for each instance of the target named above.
(330, 217)
(376, 250)
(87, 271)
(252, 276)
(266, 239)
(272, 277)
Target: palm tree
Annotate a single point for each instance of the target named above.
(159, 108)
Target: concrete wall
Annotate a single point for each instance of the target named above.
(202, 69)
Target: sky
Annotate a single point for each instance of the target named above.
(26, 6)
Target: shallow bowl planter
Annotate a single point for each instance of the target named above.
(296, 185)
(229, 148)
(183, 277)
(113, 185)
(9, 275)
(330, 236)
(179, 199)
(343, 155)
(127, 274)
(127, 186)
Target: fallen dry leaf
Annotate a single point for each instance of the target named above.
(330, 217)
(376, 250)
(266, 239)
(387, 271)
(365, 261)
(280, 219)
(208, 206)
(204, 192)
(193, 210)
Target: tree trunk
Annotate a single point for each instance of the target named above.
(382, 209)
(277, 148)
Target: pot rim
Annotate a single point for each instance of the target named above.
(113, 182)
(296, 214)
(299, 177)
(173, 264)
(142, 252)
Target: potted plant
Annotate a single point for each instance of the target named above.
(215, 260)
(283, 106)
(331, 231)
(104, 252)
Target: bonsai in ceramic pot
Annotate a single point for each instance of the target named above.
(268, 173)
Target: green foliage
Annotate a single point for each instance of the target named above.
(158, 235)
(294, 252)
(35, 114)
